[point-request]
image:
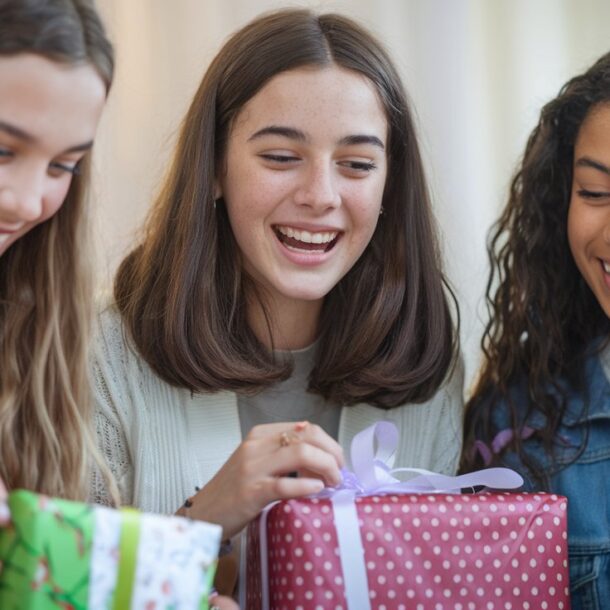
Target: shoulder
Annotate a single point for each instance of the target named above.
(450, 395)
(430, 431)
(591, 401)
(112, 346)
(125, 386)
(109, 330)
(453, 386)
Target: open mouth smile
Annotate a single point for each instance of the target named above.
(300, 240)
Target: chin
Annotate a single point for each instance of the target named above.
(303, 293)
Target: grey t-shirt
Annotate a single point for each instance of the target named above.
(289, 400)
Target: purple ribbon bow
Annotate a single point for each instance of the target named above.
(371, 456)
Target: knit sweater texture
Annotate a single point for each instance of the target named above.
(161, 441)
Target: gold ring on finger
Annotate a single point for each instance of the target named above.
(286, 439)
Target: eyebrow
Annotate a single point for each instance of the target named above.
(588, 162)
(20, 134)
(16, 132)
(296, 134)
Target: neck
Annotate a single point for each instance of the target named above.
(293, 323)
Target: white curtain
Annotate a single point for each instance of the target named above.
(477, 71)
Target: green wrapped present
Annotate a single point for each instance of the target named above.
(62, 555)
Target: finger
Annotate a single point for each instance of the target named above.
(315, 435)
(286, 488)
(286, 433)
(267, 430)
(303, 456)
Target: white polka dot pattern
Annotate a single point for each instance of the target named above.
(493, 551)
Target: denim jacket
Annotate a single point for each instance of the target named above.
(583, 477)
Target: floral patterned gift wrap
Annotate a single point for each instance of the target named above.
(62, 555)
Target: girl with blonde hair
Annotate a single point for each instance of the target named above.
(56, 67)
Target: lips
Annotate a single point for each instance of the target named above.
(302, 240)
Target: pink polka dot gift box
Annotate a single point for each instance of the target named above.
(352, 550)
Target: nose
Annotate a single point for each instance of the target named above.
(21, 197)
(319, 189)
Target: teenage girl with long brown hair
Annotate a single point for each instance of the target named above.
(288, 290)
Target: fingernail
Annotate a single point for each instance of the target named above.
(317, 485)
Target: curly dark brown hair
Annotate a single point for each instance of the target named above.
(543, 316)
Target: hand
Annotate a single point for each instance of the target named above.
(220, 602)
(256, 473)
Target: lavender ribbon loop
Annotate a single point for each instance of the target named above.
(372, 451)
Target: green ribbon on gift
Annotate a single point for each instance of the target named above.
(128, 549)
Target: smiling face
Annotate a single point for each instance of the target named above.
(305, 171)
(589, 214)
(48, 115)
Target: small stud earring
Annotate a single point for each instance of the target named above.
(381, 211)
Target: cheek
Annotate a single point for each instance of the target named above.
(366, 207)
(55, 197)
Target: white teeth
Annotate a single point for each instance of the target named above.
(606, 266)
(323, 237)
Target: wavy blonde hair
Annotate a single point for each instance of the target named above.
(46, 439)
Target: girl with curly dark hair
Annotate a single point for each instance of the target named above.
(542, 402)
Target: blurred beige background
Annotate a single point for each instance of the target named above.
(477, 72)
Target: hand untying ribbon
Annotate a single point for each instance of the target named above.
(371, 454)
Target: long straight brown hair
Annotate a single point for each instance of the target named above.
(386, 333)
(46, 441)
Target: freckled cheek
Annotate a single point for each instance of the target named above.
(366, 206)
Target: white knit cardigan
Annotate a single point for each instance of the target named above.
(161, 441)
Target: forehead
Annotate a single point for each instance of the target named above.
(54, 102)
(594, 133)
(320, 99)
